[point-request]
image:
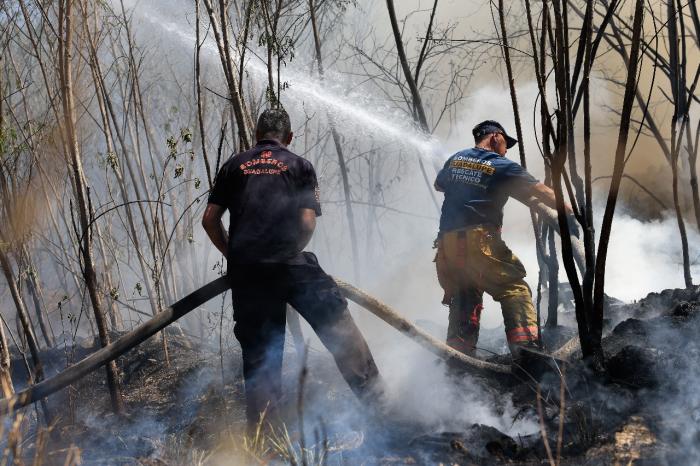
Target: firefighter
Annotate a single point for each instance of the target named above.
(272, 198)
(471, 256)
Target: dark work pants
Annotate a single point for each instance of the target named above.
(260, 294)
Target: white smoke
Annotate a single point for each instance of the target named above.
(643, 256)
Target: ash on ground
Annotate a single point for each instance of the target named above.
(644, 409)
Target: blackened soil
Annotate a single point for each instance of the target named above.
(644, 408)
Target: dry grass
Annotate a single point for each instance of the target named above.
(21, 446)
(263, 445)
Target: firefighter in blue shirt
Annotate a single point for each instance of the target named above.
(472, 258)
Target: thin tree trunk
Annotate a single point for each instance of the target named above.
(587, 217)
(539, 247)
(6, 384)
(269, 42)
(687, 277)
(242, 45)
(243, 120)
(200, 112)
(571, 150)
(553, 281)
(415, 93)
(692, 164)
(548, 231)
(618, 168)
(35, 291)
(558, 167)
(341, 156)
(678, 91)
(65, 48)
(114, 315)
(23, 314)
(27, 330)
(63, 248)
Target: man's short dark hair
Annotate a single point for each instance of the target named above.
(274, 122)
(480, 137)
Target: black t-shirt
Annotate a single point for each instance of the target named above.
(477, 183)
(263, 190)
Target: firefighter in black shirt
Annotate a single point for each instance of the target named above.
(273, 200)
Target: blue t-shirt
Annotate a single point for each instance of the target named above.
(477, 184)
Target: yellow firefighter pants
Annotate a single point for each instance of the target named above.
(473, 260)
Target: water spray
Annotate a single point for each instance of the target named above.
(345, 106)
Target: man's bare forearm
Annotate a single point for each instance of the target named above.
(304, 239)
(211, 222)
(218, 236)
(546, 195)
(307, 225)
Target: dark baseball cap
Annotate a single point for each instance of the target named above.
(490, 126)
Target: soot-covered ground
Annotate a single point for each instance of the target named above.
(645, 408)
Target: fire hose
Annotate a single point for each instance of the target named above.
(197, 298)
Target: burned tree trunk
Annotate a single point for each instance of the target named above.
(562, 151)
(588, 280)
(618, 168)
(539, 62)
(548, 230)
(553, 279)
(687, 277)
(678, 91)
